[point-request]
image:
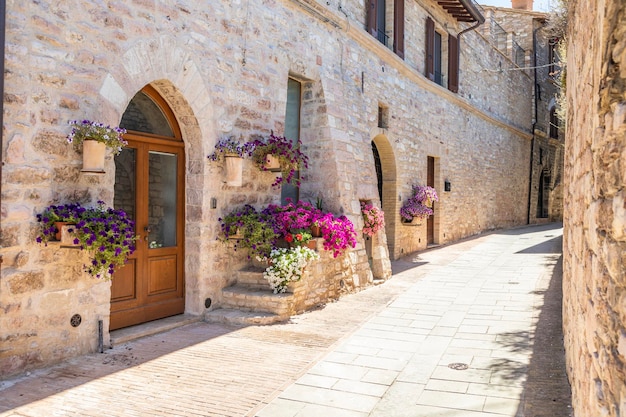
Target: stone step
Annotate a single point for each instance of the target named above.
(251, 299)
(252, 277)
(242, 318)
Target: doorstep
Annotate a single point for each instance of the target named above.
(152, 327)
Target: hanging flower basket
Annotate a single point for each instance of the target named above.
(234, 170)
(93, 156)
(95, 138)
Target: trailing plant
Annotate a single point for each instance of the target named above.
(260, 231)
(68, 213)
(86, 129)
(107, 234)
(373, 217)
(419, 205)
(287, 265)
(256, 230)
(289, 155)
(228, 146)
(293, 216)
(338, 233)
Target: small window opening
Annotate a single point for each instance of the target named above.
(383, 117)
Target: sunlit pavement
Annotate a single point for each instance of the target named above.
(466, 330)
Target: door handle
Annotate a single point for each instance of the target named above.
(148, 230)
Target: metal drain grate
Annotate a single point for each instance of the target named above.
(458, 366)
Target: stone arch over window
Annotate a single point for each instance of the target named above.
(385, 164)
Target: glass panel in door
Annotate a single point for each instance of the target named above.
(162, 191)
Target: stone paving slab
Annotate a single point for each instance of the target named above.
(382, 352)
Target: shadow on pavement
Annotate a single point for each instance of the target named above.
(546, 390)
(43, 383)
(553, 245)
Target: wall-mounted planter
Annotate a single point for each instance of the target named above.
(67, 235)
(234, 170)
(416, 221)
(93, 157)
(271, 163)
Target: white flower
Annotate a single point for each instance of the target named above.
(287, 266)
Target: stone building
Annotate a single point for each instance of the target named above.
(383, 95)
(523, 36)
(594, 260)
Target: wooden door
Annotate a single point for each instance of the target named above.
(150, 188)
(430, 181)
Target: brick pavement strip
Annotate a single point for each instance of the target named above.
(381, 352)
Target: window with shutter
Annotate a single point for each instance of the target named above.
(398, 28)
(377, 20)
(453, 64)
(372, 8)
(430, 49)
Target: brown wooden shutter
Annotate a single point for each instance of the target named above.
(372, 26)
(430, 49)
(398, 28)
(453, 64)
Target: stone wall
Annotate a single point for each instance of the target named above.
(223, 69)
(595, 208)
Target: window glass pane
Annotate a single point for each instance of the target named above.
(437, 59)
(292, 131)
(162, 168)
(143, 115)
(125, 178)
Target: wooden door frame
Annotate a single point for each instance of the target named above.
(167, 307)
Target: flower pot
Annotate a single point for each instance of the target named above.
(234, 170)
(93, 157)
(271, 163)
(312, 244)
(68, 235)
(236, 234)
(316, 231)
(416, 221)
(59, 228)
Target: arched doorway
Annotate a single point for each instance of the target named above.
(149, 186)
(385, 165)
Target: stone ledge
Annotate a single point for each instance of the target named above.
(242, 318)
(153, 327)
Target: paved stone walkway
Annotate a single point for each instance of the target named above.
(467, 330)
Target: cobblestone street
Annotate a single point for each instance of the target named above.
(472, 329)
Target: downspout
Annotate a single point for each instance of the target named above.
(532, 141)
(475, 13)
(478, 23)
(2, 40)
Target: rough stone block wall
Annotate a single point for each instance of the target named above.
(223, 67)
(594, 285)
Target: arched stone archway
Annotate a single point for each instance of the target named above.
(181, 85)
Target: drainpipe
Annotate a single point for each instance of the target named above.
(536, 100)
(2, 40)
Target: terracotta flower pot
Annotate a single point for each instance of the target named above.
(93, 157)
(316, 231)
(59, 226)
(271, 163)
(68, 235)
